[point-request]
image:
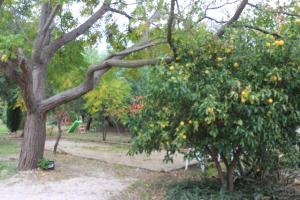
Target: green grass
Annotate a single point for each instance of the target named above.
(7, 169)
(8, 152)
(89, 136)
(211, 189)
(155, 185)
(8, 147)
(3, 129)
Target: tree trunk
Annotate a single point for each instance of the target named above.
(89, 122)
(116, 125)
(230, 167)
(214, 155)
(34, 141)
(104, 132)
(60, 118)
(230, 185)
(22, 134)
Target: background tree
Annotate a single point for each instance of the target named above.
(28, 64)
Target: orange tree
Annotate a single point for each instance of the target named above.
(236, 97)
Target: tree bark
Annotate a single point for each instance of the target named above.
(214, 155)
(60, 118)
(34, 141)
(104, 130)
(89, 122)
(230, 167)
(230, 185)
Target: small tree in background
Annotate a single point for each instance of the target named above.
(14, 116)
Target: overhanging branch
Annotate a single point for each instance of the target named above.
(120, 12)
(234, 18)
(276, 35)
(94, 73)
(72, 35)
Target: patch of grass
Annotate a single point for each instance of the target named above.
(90, 136)
(8, 147)
(8, 151)
(7, 169)
(154, 185)
(211, 189)
(3, 129)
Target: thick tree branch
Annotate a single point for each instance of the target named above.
(170, 28)
(9, 69)
(23, 78)
(27, 86)
(94, 73)
(234, 18)
(72, 35)
(50, 18)
(38, 43)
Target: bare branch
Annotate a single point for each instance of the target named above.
(221, 6)
(212, 19)
(133, 49)
(276, 35)
(120, 12)
(50, 18)
(279, 12)
(234, 18)
(70, 36)
(170, 28)
(136, 63)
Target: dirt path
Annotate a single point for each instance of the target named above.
(25, 187)
(88, 171)
(74, 178)
(117, 154)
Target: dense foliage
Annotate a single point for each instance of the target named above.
(237, 97)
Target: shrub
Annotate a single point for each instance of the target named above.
(45, 164)
(14, 118)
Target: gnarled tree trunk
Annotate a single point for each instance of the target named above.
(34, 141)
(31, 75)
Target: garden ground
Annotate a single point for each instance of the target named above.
(86, 169)
(80, 173)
